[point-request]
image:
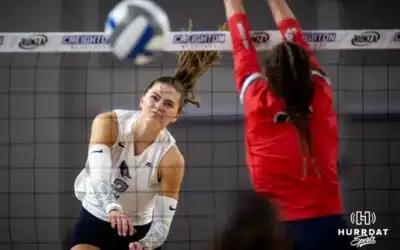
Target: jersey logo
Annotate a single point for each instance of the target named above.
(124, 170)
(121, 144)
(171, 208)
(148, 165)
(290, 33)
(97, 151)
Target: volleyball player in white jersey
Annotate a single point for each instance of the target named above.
(129, 187)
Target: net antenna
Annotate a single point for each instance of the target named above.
(95, 42)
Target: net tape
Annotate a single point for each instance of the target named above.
(95, 42)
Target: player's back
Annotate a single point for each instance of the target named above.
(275, 157)
(134, 177)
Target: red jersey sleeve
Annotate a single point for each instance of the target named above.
(250, 84)
(291, 31)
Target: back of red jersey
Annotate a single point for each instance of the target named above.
(273, 150)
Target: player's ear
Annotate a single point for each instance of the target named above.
(176, 117)
(178, 114)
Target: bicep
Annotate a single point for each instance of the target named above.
(104, 129)
(172, 171)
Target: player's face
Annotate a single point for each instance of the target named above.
(161, 104)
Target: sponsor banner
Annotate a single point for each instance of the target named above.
(201, 40)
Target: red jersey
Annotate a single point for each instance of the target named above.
(273, 152)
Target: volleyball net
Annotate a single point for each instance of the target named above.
(54, 84)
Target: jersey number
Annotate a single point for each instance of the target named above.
(119, 186)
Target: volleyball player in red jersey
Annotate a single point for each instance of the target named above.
(291, 130)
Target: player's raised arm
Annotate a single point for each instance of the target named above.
(250, 84)
(289, 27)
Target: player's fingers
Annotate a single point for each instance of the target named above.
(124, 226)
(135, 246)
(130, 227)
(113, 222)
(119, 225)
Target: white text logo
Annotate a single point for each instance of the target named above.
(363, 236)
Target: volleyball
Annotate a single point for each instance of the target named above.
(136, 30)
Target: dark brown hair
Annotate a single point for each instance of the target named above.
(253, 225)
(288, 70)
(191, 65)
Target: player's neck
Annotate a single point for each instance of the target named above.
(144, 134)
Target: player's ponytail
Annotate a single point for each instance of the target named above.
(289, 74)
(192, 65)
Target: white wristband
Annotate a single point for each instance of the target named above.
(164, 212)
(113, 206)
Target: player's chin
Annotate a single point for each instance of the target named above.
(155, 120)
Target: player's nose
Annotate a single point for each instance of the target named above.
(159, 106)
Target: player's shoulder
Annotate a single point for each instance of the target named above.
(116, 115)
(173, 157)
(124, 113)
(167, 138)
(169, 141)
(105, 118)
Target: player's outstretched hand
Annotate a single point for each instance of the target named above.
(122, 222)
(136, 246)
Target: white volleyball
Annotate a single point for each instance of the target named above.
(136, 29)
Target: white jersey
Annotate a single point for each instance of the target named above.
(134, 178)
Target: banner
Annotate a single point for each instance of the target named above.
(95, 42)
